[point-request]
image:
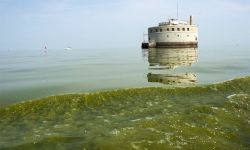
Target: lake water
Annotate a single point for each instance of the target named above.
(125, 99)
(32, 74)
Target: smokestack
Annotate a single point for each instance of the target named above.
(191, 20)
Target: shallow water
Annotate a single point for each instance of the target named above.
(32, 74)
(138, 99)
(206, 117)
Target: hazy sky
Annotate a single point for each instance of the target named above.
(28, 24)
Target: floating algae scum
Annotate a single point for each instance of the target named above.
(207, 117)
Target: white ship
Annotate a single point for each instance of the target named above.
(173, 33)
(68, 48)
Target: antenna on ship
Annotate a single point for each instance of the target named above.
(143, 37)
(177, 10)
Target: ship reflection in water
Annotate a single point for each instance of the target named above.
(166, 60)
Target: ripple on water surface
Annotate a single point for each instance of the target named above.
(208, 117)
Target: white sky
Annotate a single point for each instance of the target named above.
(30, 24)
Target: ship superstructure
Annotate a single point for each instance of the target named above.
(173, 33)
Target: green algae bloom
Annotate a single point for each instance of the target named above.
(207, 117)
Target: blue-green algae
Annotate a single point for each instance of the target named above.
(207, 117)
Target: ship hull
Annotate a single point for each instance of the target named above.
(173, 36)
(173, 44)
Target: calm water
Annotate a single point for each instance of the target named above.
(31, 74)
(125, 99)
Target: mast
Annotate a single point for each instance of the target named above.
(143, 37)
(177, 10)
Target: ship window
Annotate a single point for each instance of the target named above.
(156, 30)
(172, 29)
(178, 29)
(188, 29)
(160, 30)
(183, 29)
(167, 36)
(178, 35)
(167, 29)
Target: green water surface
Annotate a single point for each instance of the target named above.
(206, 117)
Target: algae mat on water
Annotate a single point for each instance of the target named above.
(208, 117)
